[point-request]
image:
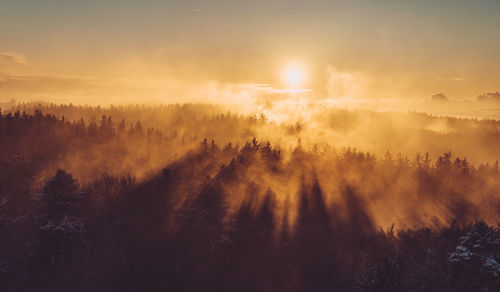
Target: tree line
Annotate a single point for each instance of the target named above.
(224, 217)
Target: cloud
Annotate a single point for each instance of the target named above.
(12, 57)
(271, 90)
(451, 79)
(346, 85)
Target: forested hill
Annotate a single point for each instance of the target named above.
(119, 205)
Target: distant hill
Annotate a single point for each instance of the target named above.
(492, 96)
(439, 97)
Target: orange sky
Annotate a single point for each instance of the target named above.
(157, 51)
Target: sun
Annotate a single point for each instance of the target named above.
(294, 75)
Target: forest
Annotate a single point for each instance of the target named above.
(193, 197)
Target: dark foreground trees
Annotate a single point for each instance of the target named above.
(137, 240)
(225, 218)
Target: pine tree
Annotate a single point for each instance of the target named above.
(60, 232)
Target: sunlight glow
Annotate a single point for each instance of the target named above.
(294, 75)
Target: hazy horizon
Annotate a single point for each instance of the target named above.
(166, 52)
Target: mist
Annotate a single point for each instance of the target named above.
(177, 175)
(249, 145)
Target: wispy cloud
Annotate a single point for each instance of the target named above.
(12, 57)
(341, 84)
(451, 79)
(271, 90)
